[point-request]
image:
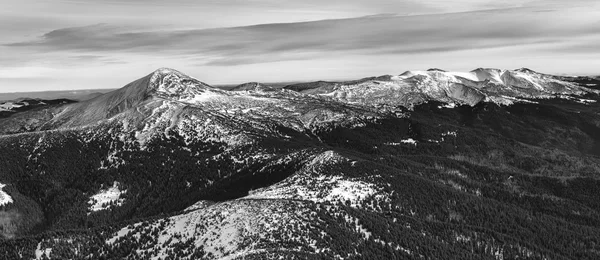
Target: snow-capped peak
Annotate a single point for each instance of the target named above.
(467, 88)
(169, 71)
(168, 82)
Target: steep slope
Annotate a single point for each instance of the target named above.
(163, 83)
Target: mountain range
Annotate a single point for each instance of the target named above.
(79, 95)
(487, 164)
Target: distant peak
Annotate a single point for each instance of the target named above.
(407, 73)
(383, 78)
(526, 70)
(485, 69)
(436, 69)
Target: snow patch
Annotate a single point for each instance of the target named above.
(318, 189)
(9, 106)
(40, 253)
(405, 141)
(5, 199)
(349, 190)
(585, 101)
(507, 101)
(450, 133)
(105, 197)
(449, 105)
(206, 96)
(312, 184)
(409, 141)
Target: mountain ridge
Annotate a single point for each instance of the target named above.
(426, 165)
(469, 88)
(408, 89)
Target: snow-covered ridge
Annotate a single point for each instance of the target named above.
(228, 230)
(164, 99)
(409, 88)
(319, 189)
(312, 183)
(456, 88)
(522, 78)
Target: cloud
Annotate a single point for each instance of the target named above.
(82, 59)
(383, 34)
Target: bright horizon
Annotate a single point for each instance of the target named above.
(56, 45)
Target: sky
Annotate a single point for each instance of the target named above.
(85, 44)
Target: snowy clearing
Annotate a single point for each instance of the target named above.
(105, 197)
